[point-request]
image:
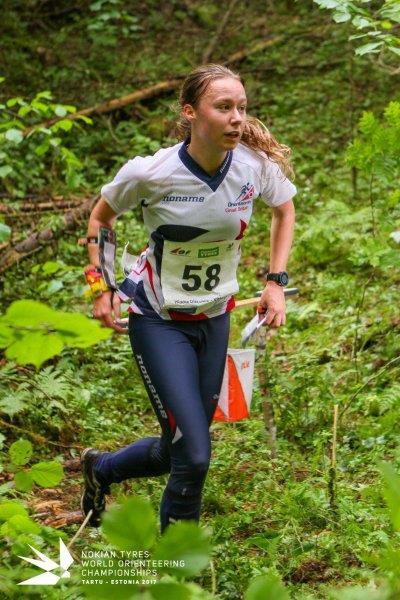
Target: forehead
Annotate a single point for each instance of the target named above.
(225, 88)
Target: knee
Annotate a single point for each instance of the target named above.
(198, 465)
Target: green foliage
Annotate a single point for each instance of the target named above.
(46, 474)
(32, 332)
(133, 525)
(392, 493)
(30, 150)
(267, 587)
(186, 543)
(110, 21)
(5, 230)
(378, 22)
(376, 150)
(269, 515)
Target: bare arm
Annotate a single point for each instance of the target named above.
(103, 216)
(281, 237)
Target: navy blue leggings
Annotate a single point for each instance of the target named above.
(182, 365)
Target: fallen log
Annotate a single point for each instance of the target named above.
(36, 240)
(63, 519)
(153, 90)
(29, 207)
(142, 94)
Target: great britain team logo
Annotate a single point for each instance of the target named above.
(246, 193)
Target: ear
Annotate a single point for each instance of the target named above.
(189, 112)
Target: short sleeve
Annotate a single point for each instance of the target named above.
(276, 188)
(122, 193)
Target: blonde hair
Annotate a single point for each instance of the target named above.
(255, 135)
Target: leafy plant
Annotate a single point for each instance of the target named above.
(31, 332)
(46, 474)
(32, 152)
(377, 22)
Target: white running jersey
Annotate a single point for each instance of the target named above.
(184, 206)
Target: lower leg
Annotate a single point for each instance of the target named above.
(143, 458)
(182, 496)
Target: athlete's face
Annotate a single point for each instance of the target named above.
(219, 117)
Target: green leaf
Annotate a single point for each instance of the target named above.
(2, 439)
(341, 16)
(45, 94)
(328, 3)
(5, 487)
(13, 101)
(360, 22)
(11, 405)
(361, 593)
(14, 135)
(47, 474)
(50, 267)
(78, 331)
(171, 589)
(35, 348)
(9, 508)
(4, 171)
(131, 525)
(23, 481)
(105, 591)
(20, 452)
(85, 119)
(60, 111)
(367, 48)
(54, 286)
(65, 125)
(6, 335)
(392, 492)
(42, 148)
(24, 524)
(267, 587)
(394, 49)
(28, 313)
(73, 329)
(186, 542)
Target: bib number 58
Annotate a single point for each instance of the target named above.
(194, 275)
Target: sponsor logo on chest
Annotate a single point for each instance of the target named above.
(177, 198)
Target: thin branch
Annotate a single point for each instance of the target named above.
(213, 42)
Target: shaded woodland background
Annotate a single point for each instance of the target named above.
(87, 85)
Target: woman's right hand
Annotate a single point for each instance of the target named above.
(106, 313)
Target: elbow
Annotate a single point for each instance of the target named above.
(102, 214)
(285, 211)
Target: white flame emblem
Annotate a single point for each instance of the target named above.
(46, 564)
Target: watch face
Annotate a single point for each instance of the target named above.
(284, 279)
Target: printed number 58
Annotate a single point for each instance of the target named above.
(211, 281)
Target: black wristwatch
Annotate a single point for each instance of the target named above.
(281, 278)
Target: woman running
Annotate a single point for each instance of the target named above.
(197, 198)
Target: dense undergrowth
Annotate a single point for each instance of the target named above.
(340, 343)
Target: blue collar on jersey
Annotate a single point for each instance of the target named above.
(213, 181)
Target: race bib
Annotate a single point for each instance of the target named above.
(195, 274)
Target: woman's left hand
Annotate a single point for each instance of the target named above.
(272, 305)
